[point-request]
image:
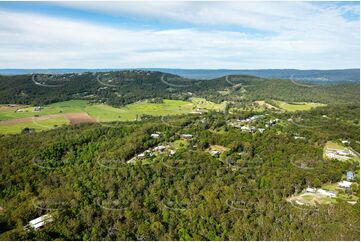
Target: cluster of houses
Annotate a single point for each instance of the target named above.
(152, 152)
(35, 109)
(342, 184)
(160, 149)
(338, 154)
(244, 124)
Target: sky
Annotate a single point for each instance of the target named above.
(180, 34)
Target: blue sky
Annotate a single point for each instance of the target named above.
(176, 34)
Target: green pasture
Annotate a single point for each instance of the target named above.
(298, 106)
(37, 125)
(106, 113)
(102, 112)
(72, 106)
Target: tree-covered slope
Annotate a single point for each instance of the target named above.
(120, 88)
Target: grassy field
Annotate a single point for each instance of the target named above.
(38, 125)
(72, 106)
(204, 104)
(101, 112)
(334, 145)
(297, 106)
(106, 113)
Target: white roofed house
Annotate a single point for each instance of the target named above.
(310, 189)
(39, 222)
(214, 152)
(326, 193)
(345, 184)
(155, 135)
(160, 148)
(345, 142)
(299, 138)
(37, 109)
(248, 128)
(186, 136)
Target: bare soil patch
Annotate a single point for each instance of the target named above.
(79, 118)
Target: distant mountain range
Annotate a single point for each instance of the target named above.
(314, 76)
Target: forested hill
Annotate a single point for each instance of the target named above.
(123, 87)
(314, 76)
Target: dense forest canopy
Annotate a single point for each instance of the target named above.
(123, 87)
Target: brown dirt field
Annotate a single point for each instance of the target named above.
(79, 118)
(265, 105)
(74, 118)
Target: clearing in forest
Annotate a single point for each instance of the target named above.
(298, 106)
(81, 111)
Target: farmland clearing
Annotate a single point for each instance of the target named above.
(297, 106)
(81, 111)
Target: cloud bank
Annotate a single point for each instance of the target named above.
(242, 35)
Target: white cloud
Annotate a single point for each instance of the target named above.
(301, 39)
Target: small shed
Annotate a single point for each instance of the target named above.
(349, 175)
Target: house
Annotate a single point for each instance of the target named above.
(160, 148)
(299, 137)
(274, 121)
(39, 222)
(250, 119)
(326, 193)
(155, 136)
(261, 130)
(310, 189)
(141, 155)
(344, 184)
(37, 109)
(248, 128)
(345, 142)
(144, 154)
(186, 136)
(214, 152)
(349, 176)
(343, 152)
